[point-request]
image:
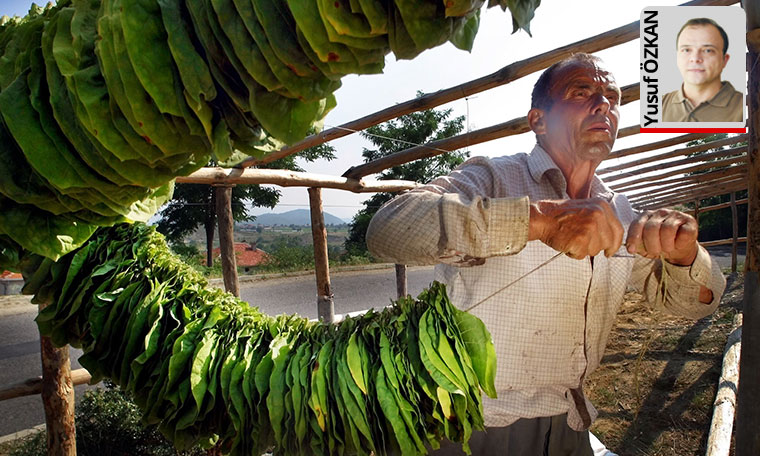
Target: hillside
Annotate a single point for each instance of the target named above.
(299, 217)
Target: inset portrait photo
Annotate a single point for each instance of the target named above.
(693, 71)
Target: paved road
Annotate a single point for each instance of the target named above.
(722, 254)
(19, 344)
(20, 360)
(19, 340)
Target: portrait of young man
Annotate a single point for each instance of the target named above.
(701, 56)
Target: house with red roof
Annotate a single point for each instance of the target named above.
(247, 255)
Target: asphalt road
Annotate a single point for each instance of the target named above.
(19, 342)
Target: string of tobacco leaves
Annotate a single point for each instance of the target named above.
(205, 367)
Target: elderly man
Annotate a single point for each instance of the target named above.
(701, 47)
(532, 245)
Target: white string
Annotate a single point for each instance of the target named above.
(390, 139)
(514, 281)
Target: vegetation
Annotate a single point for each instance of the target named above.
(194, 205)
(107, 424)
(396, 135)
(717, 224)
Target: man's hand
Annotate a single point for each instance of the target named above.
(670, 233)
(580, 227)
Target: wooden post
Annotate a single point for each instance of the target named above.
(58, 398)
(724, 406)
(735, 227)
(227, 238)
(401, 280)
(325, 306)
(696, 211)
(748, 413)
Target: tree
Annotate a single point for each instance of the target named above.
(396, 135)
(717, 224)
(194, 205)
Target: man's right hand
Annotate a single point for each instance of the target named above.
(578, 227)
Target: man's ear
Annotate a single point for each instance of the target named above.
(536, 121)
(725, 60)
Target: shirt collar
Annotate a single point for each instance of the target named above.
(720, 99)
(540, 163)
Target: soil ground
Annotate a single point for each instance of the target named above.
(655, 388)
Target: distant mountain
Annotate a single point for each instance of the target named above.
(300, 217)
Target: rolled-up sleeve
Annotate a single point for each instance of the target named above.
(676, 288)
(449, 221)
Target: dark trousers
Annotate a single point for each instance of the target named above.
(546, 436)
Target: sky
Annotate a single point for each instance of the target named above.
(556, 23)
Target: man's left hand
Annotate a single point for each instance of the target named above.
(665, 232)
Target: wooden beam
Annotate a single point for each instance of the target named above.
(442, 146)
(225, 224)
(433, 148)
(626, 188)
(655, 145)
(33, 386)
(325, 306)
(681, 187)
(674, 153)
(671, 164)
(699, 167)
(503, 76)
(722, 205)
(748, 413)
(286, 178)
(698, 194)
(721, 242)
(629, 131)
(57, 392)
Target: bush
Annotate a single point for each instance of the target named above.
(108, 424)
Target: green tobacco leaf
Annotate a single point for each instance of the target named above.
(522, 13)
(41, 232)
(464, 35)
(479, 346)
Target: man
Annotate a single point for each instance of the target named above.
(702, 47)
(497, 226)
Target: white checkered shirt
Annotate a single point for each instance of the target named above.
(550, 327)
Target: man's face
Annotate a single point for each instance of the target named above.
(583, 119)
(700, 55)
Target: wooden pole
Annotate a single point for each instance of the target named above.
(33, 386)
(735, 226)
(696, 211)
(724, 406)
(287, 178)
(325, 305)
(227, 238)
(57, 397)
(401, 280)
(748, 413)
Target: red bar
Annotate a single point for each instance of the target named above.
(693, 130)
